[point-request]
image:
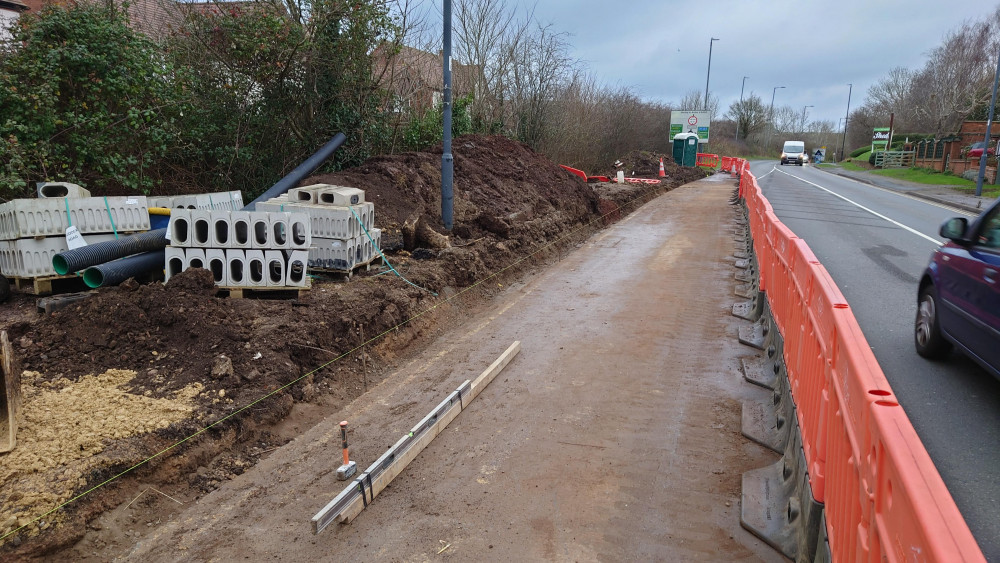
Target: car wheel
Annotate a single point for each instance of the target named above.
(926, 331)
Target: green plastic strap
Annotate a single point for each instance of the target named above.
(108, 207)
(384, 259)
(68, 218)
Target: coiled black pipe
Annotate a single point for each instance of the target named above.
(94, 254)
(117, 271)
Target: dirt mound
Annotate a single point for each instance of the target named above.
(182, 342)
(643, 164)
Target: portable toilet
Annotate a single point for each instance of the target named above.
(686, 149)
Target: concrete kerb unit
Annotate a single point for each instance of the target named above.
(216, 260)
(175, 261)
(255, 268)
(27, 218)
(32, 257)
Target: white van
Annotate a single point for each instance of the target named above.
(794, 152)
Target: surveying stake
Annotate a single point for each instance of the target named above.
(346, 471)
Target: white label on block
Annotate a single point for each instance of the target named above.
(131, 201)
(74, 239)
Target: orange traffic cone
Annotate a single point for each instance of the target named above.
(663, 173)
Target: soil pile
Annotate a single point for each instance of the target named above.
(189, 358)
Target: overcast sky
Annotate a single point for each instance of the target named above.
(813, 48)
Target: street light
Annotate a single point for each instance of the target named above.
(804, 117)
(770, 115)
(709, 70)
(843, 144)
(741, 108)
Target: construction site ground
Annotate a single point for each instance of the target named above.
(613, 435)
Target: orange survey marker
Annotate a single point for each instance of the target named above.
(349, 468)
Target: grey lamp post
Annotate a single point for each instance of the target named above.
(709, 70)
(804, 117)
(741, 107)
(847, 118)
(770, 114)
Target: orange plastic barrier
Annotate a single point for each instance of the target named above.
(883, 498)
(574, 171)
(707, 160)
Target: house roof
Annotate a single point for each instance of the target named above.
(13, 5)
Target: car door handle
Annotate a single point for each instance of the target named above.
(989, 275)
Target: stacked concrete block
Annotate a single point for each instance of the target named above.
(24, 218)
(32, 257)
(221, 201)
(342, 224)
(242, 249)
(34, 230)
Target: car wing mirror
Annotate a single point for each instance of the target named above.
(954, 228)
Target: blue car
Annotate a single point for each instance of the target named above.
(959, 295)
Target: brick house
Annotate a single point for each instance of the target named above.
(151, 17)
(415, 77)
(949, 153)
(10, 11)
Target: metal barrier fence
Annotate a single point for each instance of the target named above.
(882, 498)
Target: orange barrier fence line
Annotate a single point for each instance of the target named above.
(882, 495)
(707, 160)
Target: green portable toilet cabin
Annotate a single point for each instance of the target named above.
(686, 149)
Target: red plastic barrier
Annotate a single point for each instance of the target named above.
(574, 171)
(883, 498)
(707, 160)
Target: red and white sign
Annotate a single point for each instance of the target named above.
(693, 120)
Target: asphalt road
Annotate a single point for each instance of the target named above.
(876, 243)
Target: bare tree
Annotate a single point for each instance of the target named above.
(955, 78)
(694, 100)
(541, 64)
(488, 37)
(750, 114)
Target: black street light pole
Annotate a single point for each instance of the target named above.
(741, 108)
(989, 123)
(843, 144)
(709, 70)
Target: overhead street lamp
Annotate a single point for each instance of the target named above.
(847, 118)
(804, 117)
(770, 115)
(709, 70)
(741, 107)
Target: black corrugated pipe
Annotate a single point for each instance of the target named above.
(94, 254)
(117, 271)
(293, 178)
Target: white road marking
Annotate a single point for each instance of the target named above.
(859, 206)
(773, 168)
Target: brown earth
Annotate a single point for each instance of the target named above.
(134, 370)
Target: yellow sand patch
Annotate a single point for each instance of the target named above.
(63, 425)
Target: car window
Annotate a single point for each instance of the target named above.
(989, 233)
